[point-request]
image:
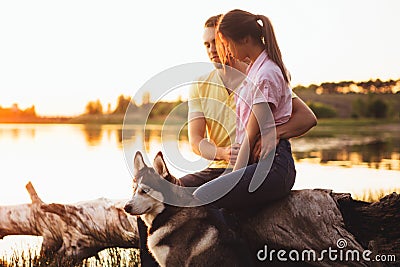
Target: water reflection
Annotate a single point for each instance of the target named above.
(369, 150)
(93, 134)
(17, 131)
(376, 154)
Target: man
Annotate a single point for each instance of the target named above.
(212, 124)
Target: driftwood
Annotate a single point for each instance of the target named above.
(306, 221)
(71, 232)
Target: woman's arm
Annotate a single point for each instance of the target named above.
(300, 122)
(259, 115)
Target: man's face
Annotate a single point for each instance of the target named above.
(209, 43)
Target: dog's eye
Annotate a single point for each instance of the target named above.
(144, 190)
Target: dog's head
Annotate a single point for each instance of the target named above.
(148, 185)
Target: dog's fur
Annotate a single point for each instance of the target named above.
(181, 236)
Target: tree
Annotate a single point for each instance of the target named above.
(377, 108)
(322, 110)
(30, 111)
(122, 104)
(94, 107)
(359, 109)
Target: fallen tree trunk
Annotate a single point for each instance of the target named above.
(71, 232)
(318, 220)
(306, 221)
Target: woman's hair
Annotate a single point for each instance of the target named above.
(212, 21)
(238, 24)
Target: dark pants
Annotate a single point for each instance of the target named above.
(199, 178)
(277, 183)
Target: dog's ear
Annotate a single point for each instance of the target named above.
(160, 166)
(138, 163)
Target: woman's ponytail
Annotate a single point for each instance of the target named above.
(271, 45)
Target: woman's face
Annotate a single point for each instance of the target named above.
(237, 50)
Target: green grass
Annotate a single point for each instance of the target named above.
(343, 103)
(354, 127)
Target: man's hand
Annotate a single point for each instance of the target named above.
(228, 153)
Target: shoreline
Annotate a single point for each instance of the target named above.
(113, 120)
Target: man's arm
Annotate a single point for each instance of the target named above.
(300, 122)
(200, 145)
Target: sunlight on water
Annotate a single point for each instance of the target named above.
(72, 163)
(356, 180)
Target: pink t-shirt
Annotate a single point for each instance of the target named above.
(264, 84)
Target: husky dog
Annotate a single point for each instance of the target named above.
(181, 236)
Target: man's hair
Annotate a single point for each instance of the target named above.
(212, 21)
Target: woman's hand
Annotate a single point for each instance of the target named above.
(268, 143)
(260, 152)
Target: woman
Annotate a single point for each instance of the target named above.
(246, 36)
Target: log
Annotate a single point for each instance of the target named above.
(73, 232)
(305, 221)
(316, 220)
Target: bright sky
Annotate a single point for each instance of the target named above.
(58, 55)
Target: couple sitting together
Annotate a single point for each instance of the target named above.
(242, 126)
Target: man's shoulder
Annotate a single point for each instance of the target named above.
(209, 77)
(205, 83)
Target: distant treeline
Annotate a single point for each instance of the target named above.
(153, 110)
(346, 99)
(372, 86)
(15, 112)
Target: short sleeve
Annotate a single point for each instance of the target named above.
(266, 91)
(194, 101)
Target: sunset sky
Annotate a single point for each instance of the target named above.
(58, 55)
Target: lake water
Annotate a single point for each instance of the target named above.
(72, 163)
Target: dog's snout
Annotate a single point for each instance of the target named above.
(128, 208)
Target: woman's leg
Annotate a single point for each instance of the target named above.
(277, 183)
